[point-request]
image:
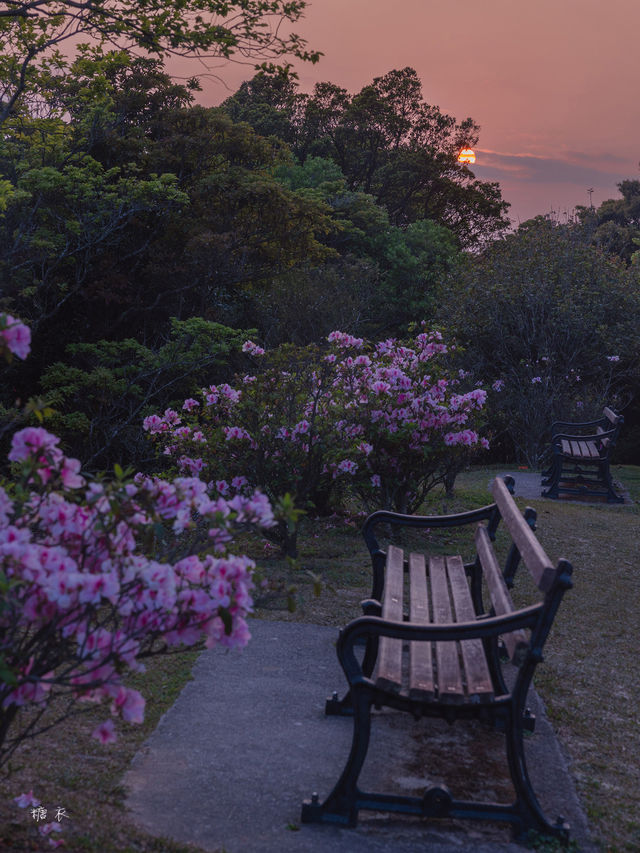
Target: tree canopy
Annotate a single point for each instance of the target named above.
(33, 32)
(553, 322)
(387, 141)
(615, 225)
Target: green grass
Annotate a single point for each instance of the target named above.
(588, 681)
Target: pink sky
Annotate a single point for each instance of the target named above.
(554, 84)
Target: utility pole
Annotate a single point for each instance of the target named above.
(590, 191)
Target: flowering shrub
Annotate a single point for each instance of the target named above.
(83, 599)
(405, 423)
(385, 418)
(271, 431)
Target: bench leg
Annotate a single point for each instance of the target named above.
(336, 707)
(605, 475)
(578, 481)
(526, 804)
(341, 806)
(553, 481)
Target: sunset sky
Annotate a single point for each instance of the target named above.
(554, 84)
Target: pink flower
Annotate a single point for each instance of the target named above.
(15, 336)
(105, 732)
(234, 432)
(27, 441)
(252, 349)
(301, 428)
(153, 424)
(130, 703)
(26, 800)
(348, 466)
(190, 404)
(71, 479)
(6, 507)
(47, 828)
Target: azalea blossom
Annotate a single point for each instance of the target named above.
(14, 336)
(26, 800)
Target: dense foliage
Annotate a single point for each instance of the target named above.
(389, 420)
(555, 327)
(387, 141)
(36, 36)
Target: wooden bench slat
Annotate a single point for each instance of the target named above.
(479, 686)
(389, 666)
(449, 677)
(611, 415)
(524, 538)
(516, 642)
(421, 683)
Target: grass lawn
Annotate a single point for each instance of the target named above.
(588, 680)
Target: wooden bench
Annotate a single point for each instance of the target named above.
(580, 462)
(433, 649)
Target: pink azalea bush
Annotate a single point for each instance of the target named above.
(405, 422)
(389, 419)
(86, 598)
(270, 431)
(84, 594)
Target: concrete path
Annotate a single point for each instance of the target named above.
(529, 485)
(247, 740)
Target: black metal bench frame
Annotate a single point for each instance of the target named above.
(580, 462)
(482, 635)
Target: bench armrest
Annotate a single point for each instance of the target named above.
(376, 626)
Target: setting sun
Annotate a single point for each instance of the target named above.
(467, 155)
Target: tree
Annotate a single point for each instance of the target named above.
(33, 32)
(552, 322)
(405, 262)
(388, 143)
(125, 206)
(615, 225)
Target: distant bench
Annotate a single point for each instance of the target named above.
(580, 461)
(443, 657)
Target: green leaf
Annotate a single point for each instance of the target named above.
(227, 621)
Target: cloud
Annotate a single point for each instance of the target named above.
(569, 167)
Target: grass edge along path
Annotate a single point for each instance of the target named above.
(587, 682)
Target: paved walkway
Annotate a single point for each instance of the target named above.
(529, 485)
(247, 740)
